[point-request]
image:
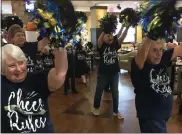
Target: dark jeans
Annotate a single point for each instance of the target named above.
(107, 88)
(152, 126)
(70, 74)
(50, 126)
(102, 81)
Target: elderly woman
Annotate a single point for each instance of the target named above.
(16, 36)
(24, 100)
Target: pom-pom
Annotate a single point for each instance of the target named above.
(57, 20)
(56, 43)
(88, 47)
(145, 5)
(81, 19)
(160, 19)
(109, 23)
(67, 13)
(142, 7)
(128, 17)
(82, 16)
(8, 21)
(28, 2)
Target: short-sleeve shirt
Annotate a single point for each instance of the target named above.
(154, 97)
(31, 50)
(109, 58)
(24, 106)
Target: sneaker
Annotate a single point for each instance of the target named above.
(95, 112)
(118, 115)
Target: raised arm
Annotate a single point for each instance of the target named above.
(177, 51)
(42, 43)
(142, 53)
(57, 75)
(101, 40)
(123, 36)
(120, 31)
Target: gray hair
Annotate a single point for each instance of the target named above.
(12, 51)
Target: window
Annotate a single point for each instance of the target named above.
(6, 7)
(130, 35)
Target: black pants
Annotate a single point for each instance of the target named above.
(70, 75)
(152, 126)
(67, 85)
(102, 81)
(107, 88)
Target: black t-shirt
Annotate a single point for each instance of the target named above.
(24, 106)
(152, 88)
(70, 56)
(48, 60)
(39, 63)
(80, 55)
(108, 57)
(30, 50)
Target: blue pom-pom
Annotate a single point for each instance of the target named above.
(154, 1)
(144, 22)
(28, 2)
(51, 7)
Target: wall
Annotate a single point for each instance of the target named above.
(18, 8)
(89, 25)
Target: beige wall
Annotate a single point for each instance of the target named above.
(89, 25)
(96, 15)
(99, 14)
(18, 8)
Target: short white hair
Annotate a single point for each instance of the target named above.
(12, 51)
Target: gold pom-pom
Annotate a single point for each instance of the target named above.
(53, 21)
(36, 21)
